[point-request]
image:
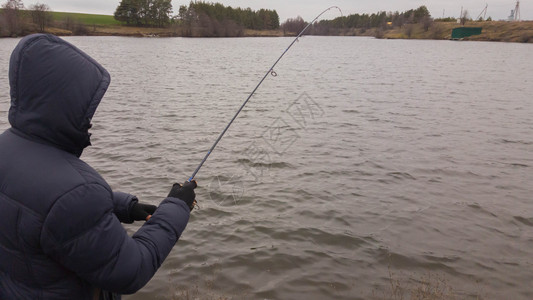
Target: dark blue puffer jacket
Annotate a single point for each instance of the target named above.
(60, 231)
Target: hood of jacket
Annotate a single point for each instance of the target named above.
(55, 90)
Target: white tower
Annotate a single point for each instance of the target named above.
(517, 11)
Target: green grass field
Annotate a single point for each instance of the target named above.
(87, 19)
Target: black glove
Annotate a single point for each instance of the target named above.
(184, 192)
(142, 212)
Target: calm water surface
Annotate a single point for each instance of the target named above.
(363, 160)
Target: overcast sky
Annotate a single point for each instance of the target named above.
(308, 9)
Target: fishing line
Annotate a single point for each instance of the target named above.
(269, 72)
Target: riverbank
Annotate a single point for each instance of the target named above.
(497, 31)
(131, 31)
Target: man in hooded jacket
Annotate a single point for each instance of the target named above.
(60, 231)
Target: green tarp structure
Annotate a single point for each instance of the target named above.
(462, 32)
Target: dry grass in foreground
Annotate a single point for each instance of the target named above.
(430, 286)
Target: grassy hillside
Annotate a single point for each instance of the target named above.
(521, 32)
(87, 19)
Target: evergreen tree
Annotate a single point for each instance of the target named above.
(144, 12)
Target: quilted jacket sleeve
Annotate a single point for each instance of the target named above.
(122, 204)
(83, 234)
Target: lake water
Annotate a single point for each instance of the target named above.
(364, 167)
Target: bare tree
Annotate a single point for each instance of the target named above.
(464, 17)
(40, 14)
(408, 29)
(74, 26)
(12, 17)
(427, 22)
(293, 25)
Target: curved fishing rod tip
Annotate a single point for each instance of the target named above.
(327, 9)
(340, 10)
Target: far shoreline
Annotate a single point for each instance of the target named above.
(493, 31)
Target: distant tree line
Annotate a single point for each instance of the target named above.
(344, 24)
(198, 18)
(156, 13)
(262, 19)
(381, 19)
(214, 19)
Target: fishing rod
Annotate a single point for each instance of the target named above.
(269, 72)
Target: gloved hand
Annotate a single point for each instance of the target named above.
(184, 192)
(142, 212)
